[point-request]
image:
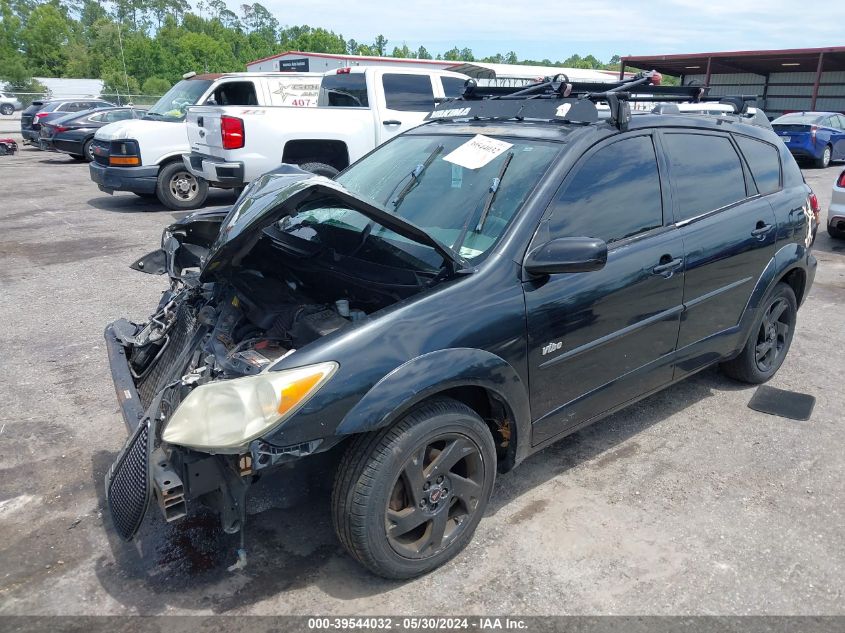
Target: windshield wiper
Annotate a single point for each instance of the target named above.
(491, 195)
(416, 174)
(488, 202)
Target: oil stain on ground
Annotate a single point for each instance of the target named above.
(52, 252)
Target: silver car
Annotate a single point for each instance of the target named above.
(8, 104)
(836, 215)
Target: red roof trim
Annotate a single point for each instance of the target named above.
(782, 51)
(357, 57)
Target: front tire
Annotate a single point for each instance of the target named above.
(770, 339)
(835, 233)
(7, 108)
(824, 160)
(408, 498)
(179, 189)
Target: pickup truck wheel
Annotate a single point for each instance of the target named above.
(179, 189)
(321, 169)
(8, 109)
(771, 336)
(408, 498)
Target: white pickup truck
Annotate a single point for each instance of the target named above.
(144, 156)
(358, 109)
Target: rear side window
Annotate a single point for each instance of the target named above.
(706, 173)
(117, 115)
(452, 86)
(764, 162)
(614, 194)
(410, 93)
(348, 90)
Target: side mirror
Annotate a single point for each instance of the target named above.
(567, 255)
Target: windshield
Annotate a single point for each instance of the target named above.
(465, 209)
(173, 105)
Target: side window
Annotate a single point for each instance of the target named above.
(764, 162)
(344, 90)
(614, 194)
(94, 118)
(706, 173)
(452, 86)
(410, 93)
(840, 122)
(239, 93)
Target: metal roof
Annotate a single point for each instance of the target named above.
(482, 70)
(728, 62)
(352, 58)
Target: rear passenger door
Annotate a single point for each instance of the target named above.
(598, 339)
(729, 233)
(405, 100)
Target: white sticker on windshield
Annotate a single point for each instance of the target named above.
(477, 152)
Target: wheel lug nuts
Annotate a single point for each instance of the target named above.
(440, 479)
(426, 486)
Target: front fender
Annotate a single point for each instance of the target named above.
(429, 374)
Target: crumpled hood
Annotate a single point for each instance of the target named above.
(132, 128)
(282, 192)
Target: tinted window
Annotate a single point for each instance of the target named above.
(706, 173)
(452, 86)
(117, 115)
(344, 91)
(797, 118)
(411, 93)
(613, 195)
(96, 117)
(236, 93)
(839, 123)
(764, 162)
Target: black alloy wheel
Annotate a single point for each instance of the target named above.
(773, 334)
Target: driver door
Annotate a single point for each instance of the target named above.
(599, 339)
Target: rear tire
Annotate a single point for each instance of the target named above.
(835, 233)
(7, 108)
(321, 169)
(824, 160)
(770, 338)
(179, 189)
(408, 498)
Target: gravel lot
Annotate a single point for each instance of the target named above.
(687, 503)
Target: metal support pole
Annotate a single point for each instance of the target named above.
(707, 75)
(622, 70)
(817, 81)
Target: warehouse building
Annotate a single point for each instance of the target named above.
(786, 80)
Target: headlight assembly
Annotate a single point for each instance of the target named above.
(225, 416)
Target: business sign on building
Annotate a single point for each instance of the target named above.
(294, 65)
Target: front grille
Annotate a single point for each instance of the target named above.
(100, 149)
(127, 484)
(162, 372)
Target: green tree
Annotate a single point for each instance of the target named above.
(422, 53)
(380, 45)
(155, 86)
(119, 88)
(44, 39)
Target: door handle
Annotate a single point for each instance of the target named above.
(667, 266)
(392, 122)
(761, 230)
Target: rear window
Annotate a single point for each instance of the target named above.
(706, 173)
(796, 119)
(348, 90)
(764, 161)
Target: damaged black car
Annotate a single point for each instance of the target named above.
(458, 299)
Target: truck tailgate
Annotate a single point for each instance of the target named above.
(204, 130)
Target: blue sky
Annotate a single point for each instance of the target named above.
(555, 30)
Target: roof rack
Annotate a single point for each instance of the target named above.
(556, 98)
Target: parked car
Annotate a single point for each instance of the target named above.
(458, 299)
(43, 111)
(8, 146)
(836, 215)
(74, 133)
(145, 156)
(9, 104)
(817, 136)
(360, 108)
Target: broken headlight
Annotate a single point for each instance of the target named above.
(225, 416)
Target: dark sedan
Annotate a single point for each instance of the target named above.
(73, 133)
(42, 111)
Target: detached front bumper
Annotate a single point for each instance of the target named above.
(136, 179)
(215, 170)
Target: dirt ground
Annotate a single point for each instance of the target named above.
(687, 503)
